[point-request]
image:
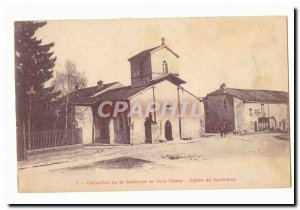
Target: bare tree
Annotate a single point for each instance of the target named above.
(67, 82)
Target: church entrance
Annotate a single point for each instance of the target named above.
(272, 123)
(168, 131)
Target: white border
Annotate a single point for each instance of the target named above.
(91, 9)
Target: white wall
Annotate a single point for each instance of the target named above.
(86, 124)
(157, 59)
(192, 127)
(279, 111)
(165, 91)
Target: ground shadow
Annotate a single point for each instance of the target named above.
(282, 137)
(115, 163)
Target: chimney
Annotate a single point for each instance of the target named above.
(76, 89)
(223, 87)
(100, 84)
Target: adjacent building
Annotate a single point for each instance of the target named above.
(246, 110)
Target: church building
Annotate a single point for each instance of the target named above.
(154, 78)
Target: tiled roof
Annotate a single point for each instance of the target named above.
(144, 53)
(170, 77)
(120, 93)
(254, 95)
(128, 91)
(84, 96)
(149, 51)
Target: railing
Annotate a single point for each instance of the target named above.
(47, 139)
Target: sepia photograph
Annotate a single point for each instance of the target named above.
(183, 103)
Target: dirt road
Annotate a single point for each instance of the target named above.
(258, 160)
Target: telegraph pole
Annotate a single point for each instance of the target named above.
(30, 93)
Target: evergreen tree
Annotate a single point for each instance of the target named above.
(33, 67)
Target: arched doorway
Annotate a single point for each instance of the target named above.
(272, 123)
(168, 131)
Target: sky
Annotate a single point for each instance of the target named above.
(243, 52)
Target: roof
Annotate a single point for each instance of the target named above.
(126, 92)
(144, 53)
(170, 77)
(247, 95)
(151, 50)
(86, 96)
(122, 93)
(83, 95)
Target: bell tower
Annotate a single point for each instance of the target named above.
(153, 63)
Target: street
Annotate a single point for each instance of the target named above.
(247, 161)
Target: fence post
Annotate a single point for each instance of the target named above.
(24, 142)
(44, 139)
(55, 138)
(73, 140)
(80, 136)
(47, 138)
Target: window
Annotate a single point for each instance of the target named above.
(225, 104)
(250, 112)
(165, 67)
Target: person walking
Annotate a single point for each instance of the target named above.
(222, 132)
(225, 131)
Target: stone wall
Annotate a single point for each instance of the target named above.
(140, 71)
(216, 112)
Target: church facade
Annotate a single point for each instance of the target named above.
(154, 79)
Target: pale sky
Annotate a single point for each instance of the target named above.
(243, 52)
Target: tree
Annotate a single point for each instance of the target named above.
(34, 62)
(67, 82)
(44, 111)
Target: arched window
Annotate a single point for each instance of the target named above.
(165, 67)
(250, 111)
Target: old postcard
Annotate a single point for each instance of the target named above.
(152, 104)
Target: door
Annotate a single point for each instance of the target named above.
(168, 131)
(272, 123)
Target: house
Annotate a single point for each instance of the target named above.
(154, 80)
(246, 110)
